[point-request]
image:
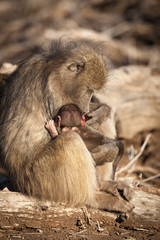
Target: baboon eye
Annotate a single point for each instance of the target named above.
(76, 67)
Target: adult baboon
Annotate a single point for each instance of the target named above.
(61, 170)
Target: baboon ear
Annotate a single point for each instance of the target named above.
(59, 121)
(76, 67)
(83, 120)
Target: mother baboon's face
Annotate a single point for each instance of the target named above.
(76, 79)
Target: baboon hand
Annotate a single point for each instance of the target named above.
(97, 116)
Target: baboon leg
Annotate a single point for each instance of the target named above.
(62, 171)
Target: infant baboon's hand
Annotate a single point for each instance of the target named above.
(51, 128)
(50, 124)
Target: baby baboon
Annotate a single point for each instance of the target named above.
(61, 170)
(70, 117)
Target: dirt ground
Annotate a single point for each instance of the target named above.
(22, 217)
(75, 226)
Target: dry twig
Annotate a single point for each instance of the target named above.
(87, 216)
(136, 157)
(150, 178)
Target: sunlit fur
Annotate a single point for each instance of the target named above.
(61, 170)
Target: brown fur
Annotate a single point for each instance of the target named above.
(65, 73)
(61, 170)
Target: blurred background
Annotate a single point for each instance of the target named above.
(131, 29)
(131, 26)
